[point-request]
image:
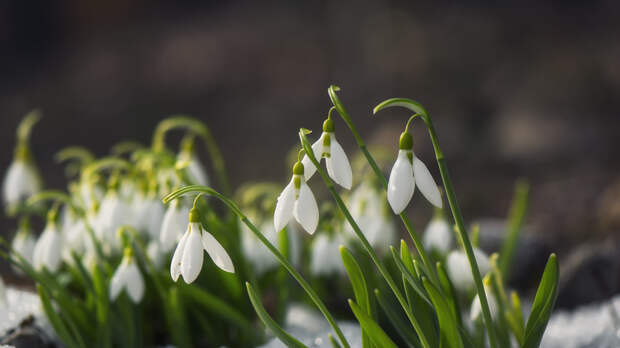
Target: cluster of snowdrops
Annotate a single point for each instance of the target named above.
(115, 246)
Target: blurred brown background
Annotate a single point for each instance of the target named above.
(518, 89)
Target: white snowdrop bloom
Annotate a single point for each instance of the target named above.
(23, 243)
(20, 182)
(459, 270)
(368, 209)
(127, 277)
(149, 214)
(89, 193)
(476, 308)
(406, 172)
(297, 200)
(74, 238)
(336, 161)
(48, 249)
(113, 213)
(173, 224)
(194, 169)
(188, 256)
(256, 252)
(438, 235)
(325, 254)
(155, 253)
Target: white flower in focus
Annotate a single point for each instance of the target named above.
(188, 256)
(296, 200)
(336, 160)
(476, 308)
(438, 235)
(47, 251)
(20, 182)
(368, 209)
(127, 277)
(325, 254)
(406, 172)
(459, 270)
(172, 225)
(23, 243)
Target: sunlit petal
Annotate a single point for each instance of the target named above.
(175, 264)
(284, 207)
(338, 166)
(191, 262)
(306, 211)
(217, 252)
(426, 183)
(401, 184)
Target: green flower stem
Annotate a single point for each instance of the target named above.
(428, 263)
(386, 275)
(283, 261)
(454, 206)
(193, 125)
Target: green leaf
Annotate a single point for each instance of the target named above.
(516, 217)
(401, 102)
(360, 288)
(374, 331)
(284, 336)
(448, 327)
(543, 304)
(333, 341)
(411, 279)
(403, 328)
(449, 290)
(54, 318)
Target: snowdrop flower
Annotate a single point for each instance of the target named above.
(459, 270)
(149, 212)
(336, 160)
(297, 200)
(438, 235)
(24, 242)
(408, 170)
(21, 180)
(325, 254)
(75, 238)
(155, 253)
(127, 277)
(368, 209)
(47, 250)
(194, 168)
(172, 225)
(113, 213)
(188, 256)
(476, 308)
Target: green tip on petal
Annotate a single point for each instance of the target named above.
(328, 125)
(298, 168)
(194, 215)
(406, 141)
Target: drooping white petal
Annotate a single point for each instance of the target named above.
(47, 251)
(173, 224)
(134, 283)
(459, 270)
(317, 149)
(155, 254)
(21, 181)
(119, 281)
(338, 166)
(37, 260)
(191, 262)
(438, 235)
(24, 244)
(175, 264)
(325, 255)
(426, 183)
(306, 211)
(195, 170)
(284, 207)
(217, 252)
(401, 184)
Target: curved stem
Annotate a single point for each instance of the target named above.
(454, 206)
(428, 263)
(25, 126)
(330, 186)
(201, 129)
(75, 152)
(283, 261)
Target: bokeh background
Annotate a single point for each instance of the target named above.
(517, 89)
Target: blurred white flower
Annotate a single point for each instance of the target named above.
(196, 172)
(476, 308)
(149, 214)
(297, 200)
(23, 243)
(47, 251)
(438, 235)
(325, 254)
(113, 213)
(20, 182)
(127, 277)
(259, 257)
(368, 209)
(155, 253)
(336, 160)
(172, 225)
(188, 256)
(459, 270)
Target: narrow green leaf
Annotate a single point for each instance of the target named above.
(54, 318)
(450, 292)
(333, 341)
(448, 327)
(516, 217)
(411, 279)
(374, 331)
(285, 337)
(360, 288)
(543, 304)
(403, 328)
